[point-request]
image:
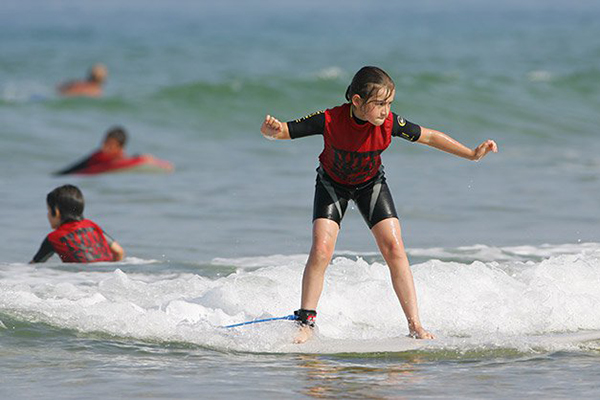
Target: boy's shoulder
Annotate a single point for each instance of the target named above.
(87, 223)
(337, 113)
(340, 109)
(71, 226)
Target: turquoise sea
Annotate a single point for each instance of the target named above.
(505, 252)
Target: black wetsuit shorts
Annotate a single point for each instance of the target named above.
(373, 199)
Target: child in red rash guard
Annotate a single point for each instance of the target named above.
(112, 149)
(355, 134)
(74, 238)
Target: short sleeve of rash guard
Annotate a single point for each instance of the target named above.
(405, 129)
(313, 124)
(108, 238)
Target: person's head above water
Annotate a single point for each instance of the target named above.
(65, 203)
(118, 134)
(115, 140)
(98, 73)
(371, 93)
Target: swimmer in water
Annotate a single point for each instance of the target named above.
(112, 149)
(110, 154)
(75, 239)
(91, 87)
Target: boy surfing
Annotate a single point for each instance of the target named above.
(355, 134)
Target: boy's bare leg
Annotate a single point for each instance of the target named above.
(389, 239)
(325, 233)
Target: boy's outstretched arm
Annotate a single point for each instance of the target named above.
(273, 129)
(443, 142)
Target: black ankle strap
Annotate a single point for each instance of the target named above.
(306, 317)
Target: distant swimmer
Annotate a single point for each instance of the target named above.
(355, 134)
(112, 157)
(112, 149)
(75, 239)
(91, 87)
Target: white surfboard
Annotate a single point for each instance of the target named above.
(401, 344)
(336, 346)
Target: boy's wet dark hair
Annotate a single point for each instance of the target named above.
(68, 199)
(367, 82)
(117, 133)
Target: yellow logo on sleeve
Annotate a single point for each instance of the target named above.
(309, 115)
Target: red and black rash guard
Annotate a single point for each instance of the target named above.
(76, 241)
(97, 158)
(352, 153)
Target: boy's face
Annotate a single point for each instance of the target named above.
(377, 109)
(111, 146)
(54, 220)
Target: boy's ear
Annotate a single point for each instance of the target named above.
(55, 212)
(356, 101)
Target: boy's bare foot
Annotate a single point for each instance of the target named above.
(305, 332)
(420, 333)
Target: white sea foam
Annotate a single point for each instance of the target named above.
(251, 262)
(330, 73)
(539, 76)
(490, 302)
(513, 253)
(19, 92)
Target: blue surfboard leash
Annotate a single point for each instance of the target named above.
(291, 317)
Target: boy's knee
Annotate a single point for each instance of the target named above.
(393, 249)
(322, 252)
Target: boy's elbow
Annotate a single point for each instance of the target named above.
(425, 137)
(119, 256)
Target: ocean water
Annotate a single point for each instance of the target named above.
(505, 252)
